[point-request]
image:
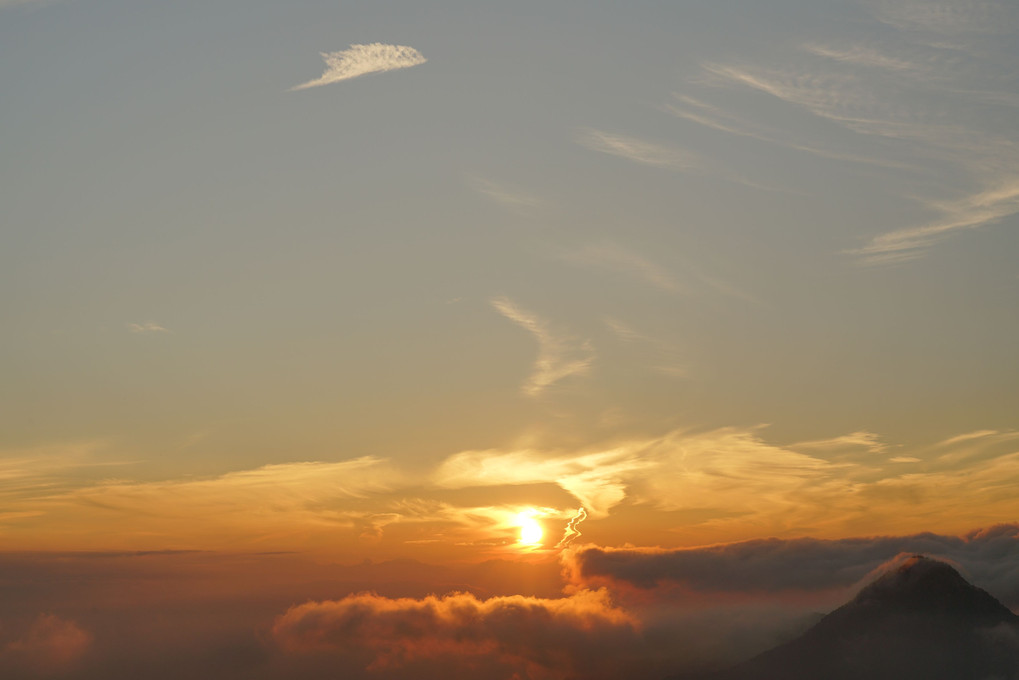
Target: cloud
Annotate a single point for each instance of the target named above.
(990, 557)
(730, 483)
(666, 358)
(947, 16)
(35, 471)
(629, 612)
(638, 150)
(936, 99)
(649, 153)
(50, 646)
(731, 472)
(510, 197)
(283, 504)
(572, 533)
(147, 327)
(975, 211)
(558, 357)
(691, 487)
(615, 258)
(597, 480)
(504, 637)
(967, 437)
(703, 113)
(841, 97)
(862, 55)
(294, 481)
(866, 441)
(359, 60)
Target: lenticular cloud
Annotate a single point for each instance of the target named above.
(360, 60)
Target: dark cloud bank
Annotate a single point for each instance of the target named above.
(615, 612)
(987, 557)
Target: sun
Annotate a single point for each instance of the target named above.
(530, 529)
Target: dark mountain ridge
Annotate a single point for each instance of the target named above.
(920, 619)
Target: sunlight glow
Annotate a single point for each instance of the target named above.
(530, 530)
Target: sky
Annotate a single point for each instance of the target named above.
(488, 301)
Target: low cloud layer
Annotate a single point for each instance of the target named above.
(502, 637)
(51, 645)
(644, 613)
(989, 557)
(359, 60)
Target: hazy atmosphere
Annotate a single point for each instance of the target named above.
(533, 340)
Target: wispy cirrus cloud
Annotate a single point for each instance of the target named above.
(924, 101)
(559, 356)
(875, 108)
(667, 358)
(147, 327)
(841, 97)
(278, 503)
(974, 211)
(968, 437)
(657, 155)
(638, 150)
(618, 259)
(862, 55)
(946, 16)
(31, 472)
(359, 60)
(868, 442)
(716, 118)
(511, 197)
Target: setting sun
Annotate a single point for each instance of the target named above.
(530, 529)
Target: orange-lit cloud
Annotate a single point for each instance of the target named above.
(682, 488)
(50, 646)
(529, 636)
(274, 504)
(572, 532)
(595, 479)
(633, 612)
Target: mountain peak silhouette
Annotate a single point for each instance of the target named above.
(918, 619)
(920, 584)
